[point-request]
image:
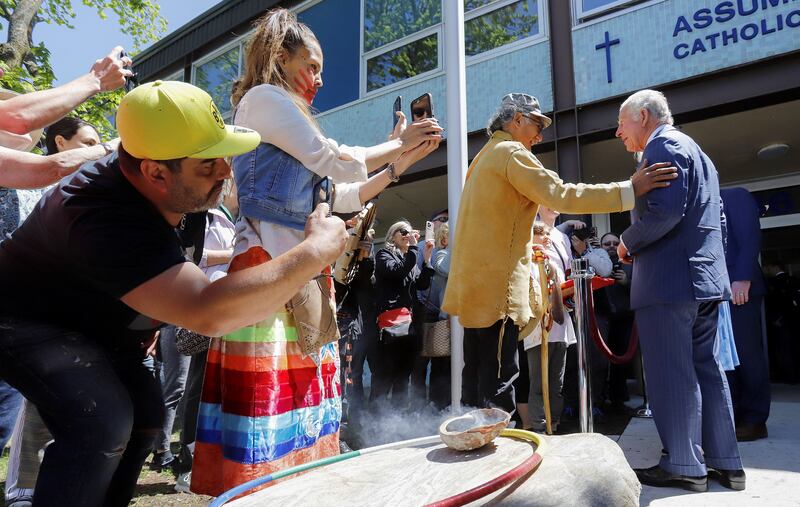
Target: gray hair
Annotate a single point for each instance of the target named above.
(504, 114)
(653, 101)
(388, 242)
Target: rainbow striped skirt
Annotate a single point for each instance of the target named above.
(265, 407)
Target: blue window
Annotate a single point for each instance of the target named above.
(402, 38)
(586, 9)
(340, 46)
(488, 29)
(216, 75)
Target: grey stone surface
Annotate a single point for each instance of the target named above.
(577, 470)
(581, 470)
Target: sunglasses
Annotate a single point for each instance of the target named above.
(404, 232)
(440, 219)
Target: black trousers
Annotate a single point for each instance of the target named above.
(103, 407)
(481, 385)
(395, 360)
(749, 382)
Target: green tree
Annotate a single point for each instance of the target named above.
(27, 63)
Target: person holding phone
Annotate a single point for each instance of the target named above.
(289, 406)
(397, 278)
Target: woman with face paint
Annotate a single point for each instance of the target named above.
(266, 405)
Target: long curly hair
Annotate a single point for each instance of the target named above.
(278, 30)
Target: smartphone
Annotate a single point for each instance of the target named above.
(131, 81)
(422, 107)
(398, 106)
(428, 231)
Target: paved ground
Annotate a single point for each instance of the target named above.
(772, 465)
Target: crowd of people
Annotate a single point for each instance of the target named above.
(153, 245)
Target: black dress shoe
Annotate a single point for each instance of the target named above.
(731, 479)
(660, 478)
(747, 432)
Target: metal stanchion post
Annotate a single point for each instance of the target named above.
(644, 411)
(582, 279)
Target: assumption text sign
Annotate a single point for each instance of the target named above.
(758, 19)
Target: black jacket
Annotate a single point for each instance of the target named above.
(397, 279)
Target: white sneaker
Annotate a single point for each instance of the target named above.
(183, 482)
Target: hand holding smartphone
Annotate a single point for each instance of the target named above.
(398, 106)
(429, 231)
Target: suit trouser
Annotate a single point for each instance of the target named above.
(481, 386)
(749, 382)
(686, 387)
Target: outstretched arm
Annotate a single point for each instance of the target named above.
(27, 170)
(31, 111)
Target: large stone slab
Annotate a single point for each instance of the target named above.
(577, 470)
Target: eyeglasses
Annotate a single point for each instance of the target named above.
(440, 219)
(535, 121)
(404, 232)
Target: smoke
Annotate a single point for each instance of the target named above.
(381, 423)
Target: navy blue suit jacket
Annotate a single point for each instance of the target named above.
(676, 232)
(744, 238)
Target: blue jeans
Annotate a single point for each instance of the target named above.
(174, 368)
(10, 401)
(101, 404)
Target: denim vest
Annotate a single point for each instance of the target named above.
(275, 187)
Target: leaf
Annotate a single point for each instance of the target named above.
(141, 19)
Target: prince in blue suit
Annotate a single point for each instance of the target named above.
(679, 277)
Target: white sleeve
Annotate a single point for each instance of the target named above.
(270, 111)
(600, 261)
(346, 198)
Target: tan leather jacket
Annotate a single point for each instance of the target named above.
(490, 268)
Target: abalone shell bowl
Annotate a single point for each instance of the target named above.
(473, 429)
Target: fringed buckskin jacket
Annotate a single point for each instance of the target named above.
(490, 269)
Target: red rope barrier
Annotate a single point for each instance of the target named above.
(601, 344)
(491, 486)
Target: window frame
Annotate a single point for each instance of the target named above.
(439, 30)
(614, 8)
(511, 46)
(237, 42)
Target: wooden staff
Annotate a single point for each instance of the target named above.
(546, 324)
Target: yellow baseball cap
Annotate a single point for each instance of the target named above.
(165, 120)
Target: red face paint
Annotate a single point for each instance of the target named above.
(304, 85)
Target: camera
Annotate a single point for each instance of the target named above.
(585, 233)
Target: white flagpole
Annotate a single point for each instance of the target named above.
(456, 91)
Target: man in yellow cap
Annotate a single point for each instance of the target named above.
(98, 267)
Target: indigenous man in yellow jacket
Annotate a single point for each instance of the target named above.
(490, 267)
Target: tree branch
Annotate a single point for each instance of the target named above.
(19, 27)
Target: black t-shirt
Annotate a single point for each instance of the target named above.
(89, 241)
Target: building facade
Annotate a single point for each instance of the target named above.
(730, 69)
